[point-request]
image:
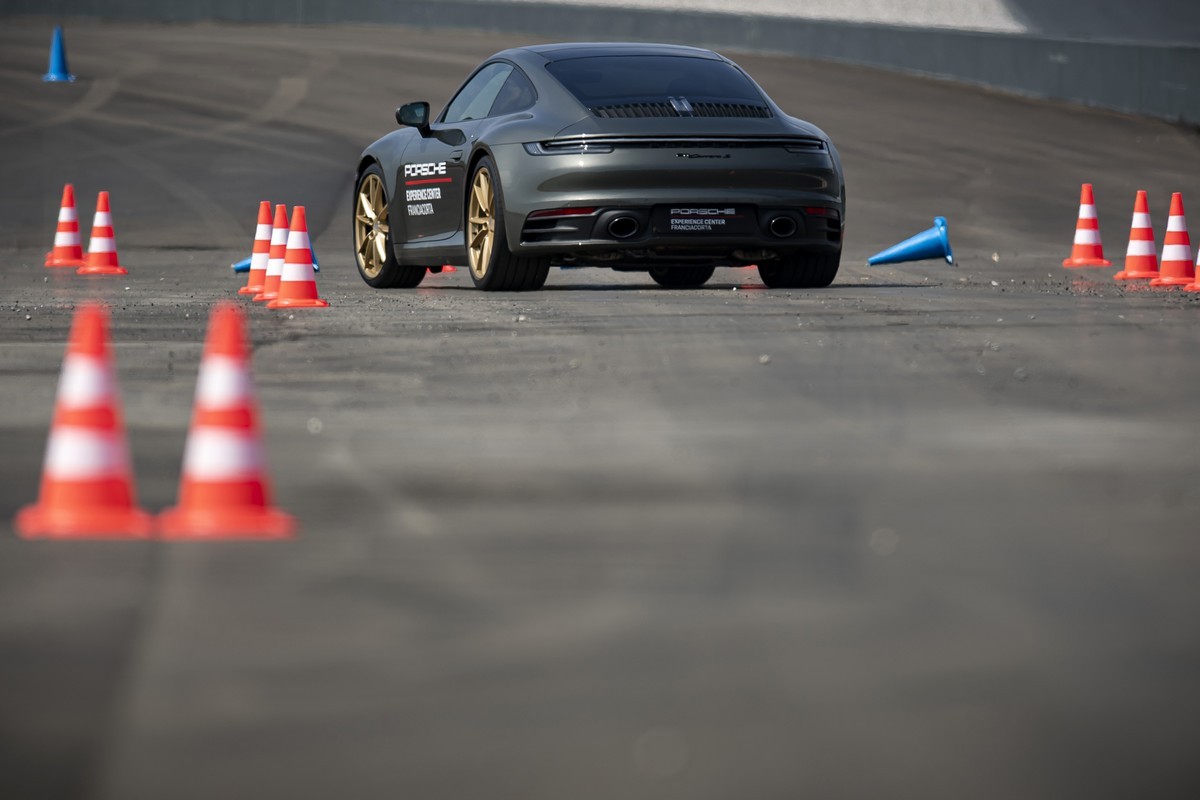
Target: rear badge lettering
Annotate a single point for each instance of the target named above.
(690, 220)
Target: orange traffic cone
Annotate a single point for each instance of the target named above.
(68, 251)
(224, 492)
(87, 483)
(1141, 260)
(1176, 267)
(1195, 286)
(261, 252)
(102, 247)
(1087, 252)
(279, 236)
(298, 283)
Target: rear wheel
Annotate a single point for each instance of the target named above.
(493, 267)
(801, 270)
(681, 277)
(373, 249)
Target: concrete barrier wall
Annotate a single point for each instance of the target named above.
(1159, 80)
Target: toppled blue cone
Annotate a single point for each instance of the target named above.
(58, 59)
(933, 243)
(244, 264)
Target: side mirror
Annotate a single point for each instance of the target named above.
(414, 115)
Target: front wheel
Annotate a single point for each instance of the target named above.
(801, 270)
(373, 250)
(493, 267)
(681, 277)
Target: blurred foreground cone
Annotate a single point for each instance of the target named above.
(1176, 267)
(68, 250)
(261, 252)
(224, 492)
(1088, 251)
(87, 483)
(298, 283)
(1141, 261)
(102, 246)
(279, 237)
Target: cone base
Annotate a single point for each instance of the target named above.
(43, 522)
(1135, 275)
(51, 261)
(58, 77)
(1192, 287)
(250, 290)
(181, 523)
(1075, 263)
(101, 270)
(1169, 282)
(263, 297)
(304, 302)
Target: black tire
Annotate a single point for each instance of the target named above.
(681, 277)
(388, 273)
(801, 270)
(503, 271)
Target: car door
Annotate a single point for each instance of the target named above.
(432, 179)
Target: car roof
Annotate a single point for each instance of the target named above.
(568, 50)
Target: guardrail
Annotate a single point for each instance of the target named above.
(1159, 80)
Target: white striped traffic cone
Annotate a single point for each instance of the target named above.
(68, 251)
(1176, 267)
(279, 236)
(1141, 260)
(298, 283)
(1195, 287)
(1087, 251)
(261, 252)
(224, 491)
(87, 482)
(102, 246)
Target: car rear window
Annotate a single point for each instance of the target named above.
(610, 80)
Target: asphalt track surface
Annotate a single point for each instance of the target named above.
(585, 543)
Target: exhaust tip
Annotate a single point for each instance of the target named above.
(782, 227)
(623, 227)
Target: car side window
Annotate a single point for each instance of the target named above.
(476, 98)
(517, 94)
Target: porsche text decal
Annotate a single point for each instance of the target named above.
(700, 219)
(426, 170)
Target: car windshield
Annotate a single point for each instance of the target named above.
(611, 80)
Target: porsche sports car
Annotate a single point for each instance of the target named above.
(638, 157)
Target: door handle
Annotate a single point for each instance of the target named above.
(456, 155)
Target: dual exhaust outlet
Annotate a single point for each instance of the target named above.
(625, 227)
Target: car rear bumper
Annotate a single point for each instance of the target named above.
(677, 197)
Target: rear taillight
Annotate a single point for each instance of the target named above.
(550, 213)
(822, 211)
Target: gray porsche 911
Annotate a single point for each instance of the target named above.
(638, 157)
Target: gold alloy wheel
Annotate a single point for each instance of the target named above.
(481, 223)
(371, 226)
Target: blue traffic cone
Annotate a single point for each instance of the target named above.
(933, 243)
(244, 264)
(58, 59)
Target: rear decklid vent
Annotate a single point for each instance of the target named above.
(730, 110)
(680, 107)
(635, 110)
